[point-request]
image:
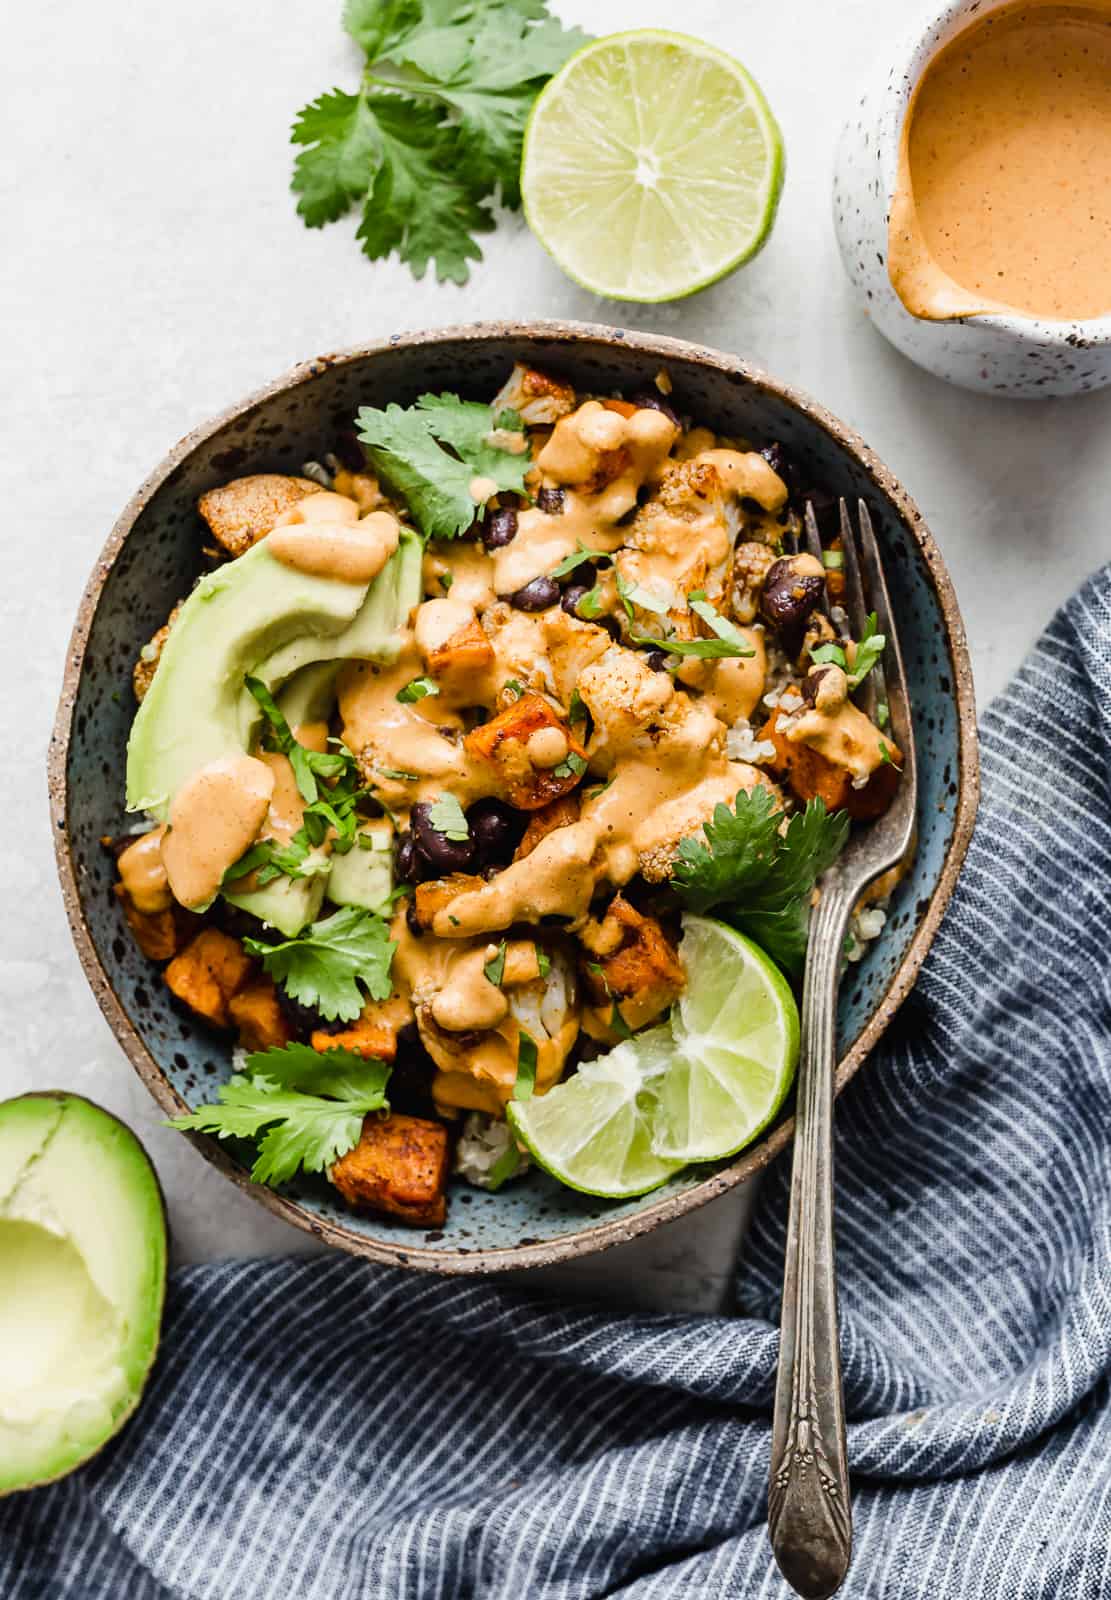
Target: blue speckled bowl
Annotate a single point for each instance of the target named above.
(152, 558)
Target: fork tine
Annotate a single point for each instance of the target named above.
(855, 604)
(850, 566)
(813, 537)
(895, 681)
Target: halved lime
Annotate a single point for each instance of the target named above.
(694, 1088)
(652, 166)
(594, 1132)
(736, 1032)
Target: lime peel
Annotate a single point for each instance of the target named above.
(698, 1087)
(652, 166)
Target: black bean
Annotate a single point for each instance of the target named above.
(652, 400)
(611, 625)
(811, 682)
(573, 595)
(405, 863)
(788, 599)
(550, 501)
(496, 830)
(499, 527)
(536, 596)
(441, 853)
(305, 1019)
(411, 920)
(657, 660)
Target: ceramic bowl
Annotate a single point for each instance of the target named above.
(152, 557)
(1006, 354)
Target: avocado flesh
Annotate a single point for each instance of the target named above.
(83, 1262)
(364, 877)
(374, 632)
(290, 904)
(196, 709)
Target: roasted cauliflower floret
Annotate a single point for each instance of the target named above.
(537, 398)
(242, 512)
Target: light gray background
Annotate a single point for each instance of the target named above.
(153, 271)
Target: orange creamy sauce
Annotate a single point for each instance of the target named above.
(1003, 200)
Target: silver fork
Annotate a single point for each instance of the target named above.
(809, 1512)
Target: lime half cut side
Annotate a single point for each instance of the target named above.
(736, 1031)
(652, 166)
(594, 1132)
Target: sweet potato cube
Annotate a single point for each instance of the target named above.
(467, 652)
(240, 513)
(157, 933)
(206, 974)
(373, 1034)
(431, 898)
(399, 1166)
(559, 814)
(257, 1013)
(503, 743)
(643, 975)
(812, 776)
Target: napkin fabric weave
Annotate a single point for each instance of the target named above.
(317, 1428)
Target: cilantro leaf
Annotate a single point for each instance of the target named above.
(756, 877)
(429, 453)
(416, 689)
(494, 969)
(576, 559)
(312, 1105)
(525, 1081)
(325, 964)
(869, 648)
(436, 128)
(446, 816)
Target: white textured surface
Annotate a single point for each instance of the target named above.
(154, 271)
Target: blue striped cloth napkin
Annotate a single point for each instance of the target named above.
(318, 1429)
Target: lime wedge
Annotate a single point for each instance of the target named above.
(695, 1088)
(652, 166)
(594, 1132)
(736, 1033)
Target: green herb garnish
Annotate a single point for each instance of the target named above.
(526, 1067)
(417, 689)
(494, 969)
(328, 961)
(756, 877)
(446, 816)
(434, 132)
(311, 1103)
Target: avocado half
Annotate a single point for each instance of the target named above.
(83, 1267)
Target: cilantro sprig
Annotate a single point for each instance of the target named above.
(434, 131)
(757, 877)
(310, 1104)
(431, 452)
(325, 965)
(869, 649)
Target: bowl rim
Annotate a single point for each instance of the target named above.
(602, 1234)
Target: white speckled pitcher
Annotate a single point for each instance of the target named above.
(1001, 353)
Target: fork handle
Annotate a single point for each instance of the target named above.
(809, 1514)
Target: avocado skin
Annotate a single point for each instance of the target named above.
(158, 1235)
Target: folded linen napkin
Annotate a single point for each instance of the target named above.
(318, 1428)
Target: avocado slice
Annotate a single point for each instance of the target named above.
(364, 877)
(290, 904)
(83, 1262)
(253, 615)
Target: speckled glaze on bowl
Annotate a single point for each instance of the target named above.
(151, 559)
(1025, 357)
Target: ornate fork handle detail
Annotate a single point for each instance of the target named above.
(809, 1515)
